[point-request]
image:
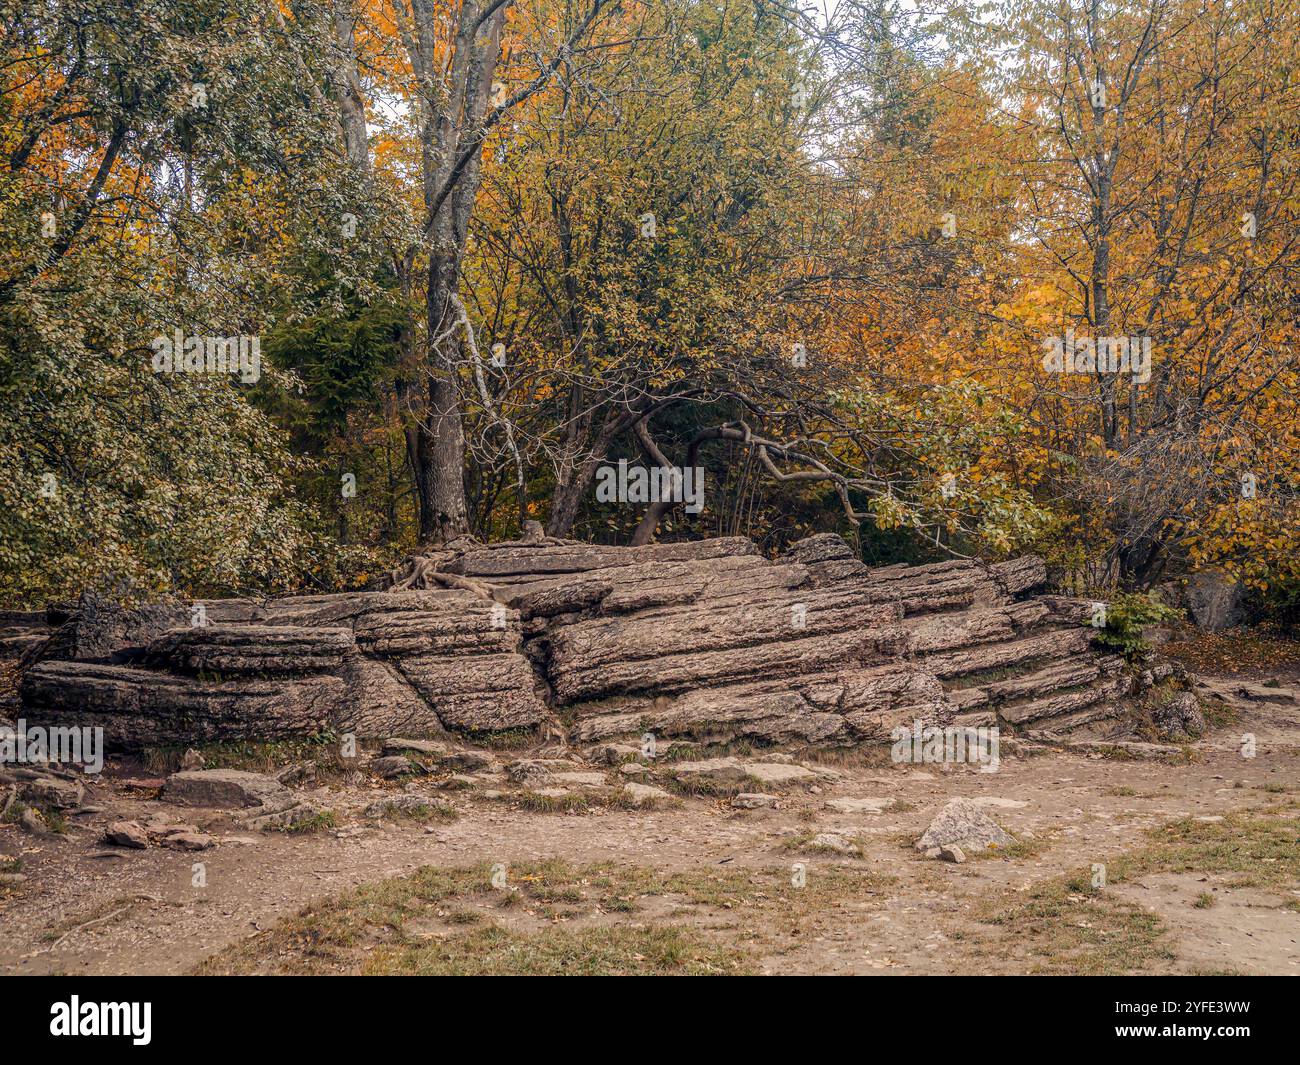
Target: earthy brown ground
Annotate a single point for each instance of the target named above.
(890, 911)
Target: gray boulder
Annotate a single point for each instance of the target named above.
(645, 794)
(221, 789)
(831, 843)
(1215, 601)
(753, 800)
(964, 825)
(54, 791)
(1180, 718)
(126, 834)
(395, 765)
(188, 841)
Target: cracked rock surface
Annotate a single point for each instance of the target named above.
(593, 644)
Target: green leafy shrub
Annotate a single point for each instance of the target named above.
(1126, 616)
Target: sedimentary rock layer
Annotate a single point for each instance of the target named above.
(369, 663)
(707, 639)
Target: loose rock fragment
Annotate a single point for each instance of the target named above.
(470, 762)
(832, 842)
(188, 841)
(413, 806)
(221, 789)
(752, 800)
(964, 824)
(529, 773)
(1180, 718)
(126, 834)
(394, 766)
(54, 791)
(429, 748)
(32, 821)
(645, 794)
(585, 780)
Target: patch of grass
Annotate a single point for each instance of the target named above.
(414, 924)
(15, 812)
(681, 751)
(1204, 900)
(426, 810)
(513, 739)
(1218, 714)
(318, 822)
(1265, 850)
(1115, 753)
(1185, 755)
(51, 815)
(620, 800)
(802, 843)
(54, 819)
(255, 756)
(1021, 848)
(864, 757)
(581, 801)
(493, 951)
(569, 802)
(1068, 927)
(1124, 792)
(10, 867)
(715, 788)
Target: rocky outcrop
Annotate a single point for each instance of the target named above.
(1215, 601)
(1181, 718)
(21, 631)
(697, 640)
(367, 663)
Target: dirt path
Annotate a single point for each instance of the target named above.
(137, 911)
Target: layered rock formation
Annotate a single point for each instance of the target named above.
(707, 640)
(369, 663)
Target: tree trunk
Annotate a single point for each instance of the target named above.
(453, 59)
(440, 474)
(649, 524)
(581, 463)
(566, 500)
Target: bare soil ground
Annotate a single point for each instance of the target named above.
(1202, 874)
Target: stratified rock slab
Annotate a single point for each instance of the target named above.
(221, 789)
(702, 641)
(370, 663)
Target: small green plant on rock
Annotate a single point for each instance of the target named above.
(1127, 615)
